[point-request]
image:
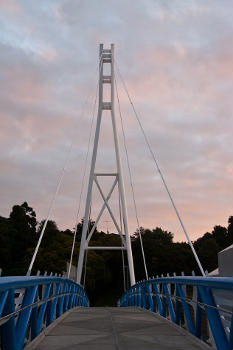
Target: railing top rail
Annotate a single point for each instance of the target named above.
(212, 282)
(27, 281)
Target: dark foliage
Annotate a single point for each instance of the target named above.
(103, 270)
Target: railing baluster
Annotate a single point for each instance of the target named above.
(199, 316)
(3, 297)
(169, 302)
(214, 319)
(24, 316)
(231, 334)
(8, 328)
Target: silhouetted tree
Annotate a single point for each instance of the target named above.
(54, 250)
(7, 237)
(230, 229)
(104, 280)
(220, 235)
(23, 220)
(91, 223)
(157, 246)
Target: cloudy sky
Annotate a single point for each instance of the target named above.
(176, 59)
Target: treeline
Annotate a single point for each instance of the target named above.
(104, 278)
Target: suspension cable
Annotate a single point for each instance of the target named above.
(85, 270)
(131, 182)
(122, 251)
(49, 211)
(67, 159)
(85, 265)
(84, 172)
(160, 173)
(82, 185)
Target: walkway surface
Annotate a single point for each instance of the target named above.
(115, 329)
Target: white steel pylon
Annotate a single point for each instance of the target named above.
(106, 58)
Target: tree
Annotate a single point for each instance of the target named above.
(7, 236)
(157, 247)
(23, 217)
(104, 278)
(91, 223)
(208, 254)
(54, 251)
(220, 235)
(200, 241)
(230, 230)
(50, 234)
(23, 220)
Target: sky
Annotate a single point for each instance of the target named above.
(176, 59)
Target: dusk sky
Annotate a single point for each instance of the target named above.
(176, 57)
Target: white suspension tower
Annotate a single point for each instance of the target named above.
(106, 57)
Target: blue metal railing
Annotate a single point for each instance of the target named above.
(202, 305)
(29, 304)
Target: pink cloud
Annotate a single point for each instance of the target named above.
(193, 76)
(178, 68)
(9, 5)
(49, 54)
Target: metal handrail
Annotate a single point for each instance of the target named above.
(38, 303)
(20, 282)
(155, 294)
(38, 306)
(172, 296)
(212, 282)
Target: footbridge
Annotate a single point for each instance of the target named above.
(53, 313)
(163, 313)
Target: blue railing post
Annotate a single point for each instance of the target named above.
(66, 299)
(71, 298)
(178, 308)
(164, 302)
(34, 322)
(51, 307)
(231, 335)
(138, 300)
(149, 297)
(144, 301)
(199, 315)
(214, 319)
(49, 318)
(186, 309)
(157, 299)
(43, 307)
(61, 302)
(169, 302)
(8, 328)
(24, 316)
(3, 297)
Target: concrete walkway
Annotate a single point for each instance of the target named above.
(114, 329)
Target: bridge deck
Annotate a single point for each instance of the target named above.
(114, 329)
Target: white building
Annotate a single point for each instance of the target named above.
(225, 263)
